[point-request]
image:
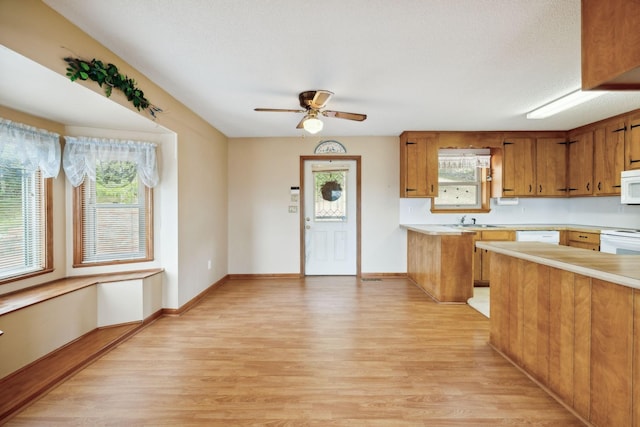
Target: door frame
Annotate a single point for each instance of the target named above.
(303, 159)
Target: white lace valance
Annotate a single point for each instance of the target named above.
(464, 162)
(81, 155)
(29, 148)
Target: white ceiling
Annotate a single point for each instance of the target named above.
(408, 65)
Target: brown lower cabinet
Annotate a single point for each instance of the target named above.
(482, 257)
(577, 336)
(441, 265)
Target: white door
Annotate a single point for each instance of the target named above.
(330, 217)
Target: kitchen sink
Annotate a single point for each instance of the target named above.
(477, 225)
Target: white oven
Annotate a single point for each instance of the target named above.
(621, 242)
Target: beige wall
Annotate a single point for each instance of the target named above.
(264, 238)
(35, 31)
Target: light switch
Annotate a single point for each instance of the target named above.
(293, 209)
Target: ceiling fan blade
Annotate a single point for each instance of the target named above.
(279, 110)
(344, 115)
(301, 122)
(320, 99)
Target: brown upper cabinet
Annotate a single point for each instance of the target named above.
(632, 147)
(610, 44)
(518, 167)
(551, 167)
(608, 159)
(418, 164)
(581, 164)
(586, 161)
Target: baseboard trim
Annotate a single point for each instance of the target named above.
(383, 276)
(264, 276)
(195, 300)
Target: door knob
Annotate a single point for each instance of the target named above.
(308, 219)
(308, 227)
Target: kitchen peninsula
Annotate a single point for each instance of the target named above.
(570, 318)
(440, 261)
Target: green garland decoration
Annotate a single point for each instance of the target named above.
(109, 77)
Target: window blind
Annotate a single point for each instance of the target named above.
(114, 221)
(22, 222)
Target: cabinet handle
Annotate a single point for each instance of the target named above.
(541, 188)
(432, 188)
(622, 129)
(588, 185)
(530, 188)
(634, 126)
(507, 189)
(633, 161)
(616, 186)
(572, 189)
(583, 237)
(411, 189)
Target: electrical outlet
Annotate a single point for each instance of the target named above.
(293, 209)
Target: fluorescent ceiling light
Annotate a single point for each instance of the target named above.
(568, 101)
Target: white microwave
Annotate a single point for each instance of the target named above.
(630, 187)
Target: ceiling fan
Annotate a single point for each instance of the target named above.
(313, 102)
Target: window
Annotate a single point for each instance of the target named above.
(330, 196)
(462, 178)
(29, 157)
(113, 215)
(25, 231)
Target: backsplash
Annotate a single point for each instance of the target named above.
(600, 211)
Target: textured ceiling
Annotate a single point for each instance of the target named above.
(408, 65)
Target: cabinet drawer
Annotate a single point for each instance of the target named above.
(496, 235)
(585, 245)
(579, 236)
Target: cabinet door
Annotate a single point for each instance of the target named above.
(608, 159)
(581, 164)
(632, 146)
(485, 255)
(518, 168)
(419, 166)
(551, 167)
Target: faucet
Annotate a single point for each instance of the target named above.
(474, 221)
(462, 219)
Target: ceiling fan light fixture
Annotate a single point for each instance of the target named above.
(312, 124)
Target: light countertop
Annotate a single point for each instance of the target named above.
(621, 269)
(469, 228)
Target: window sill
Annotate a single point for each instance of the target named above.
(20, 299)
(460, 211)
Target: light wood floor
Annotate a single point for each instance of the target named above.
(324, 351)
